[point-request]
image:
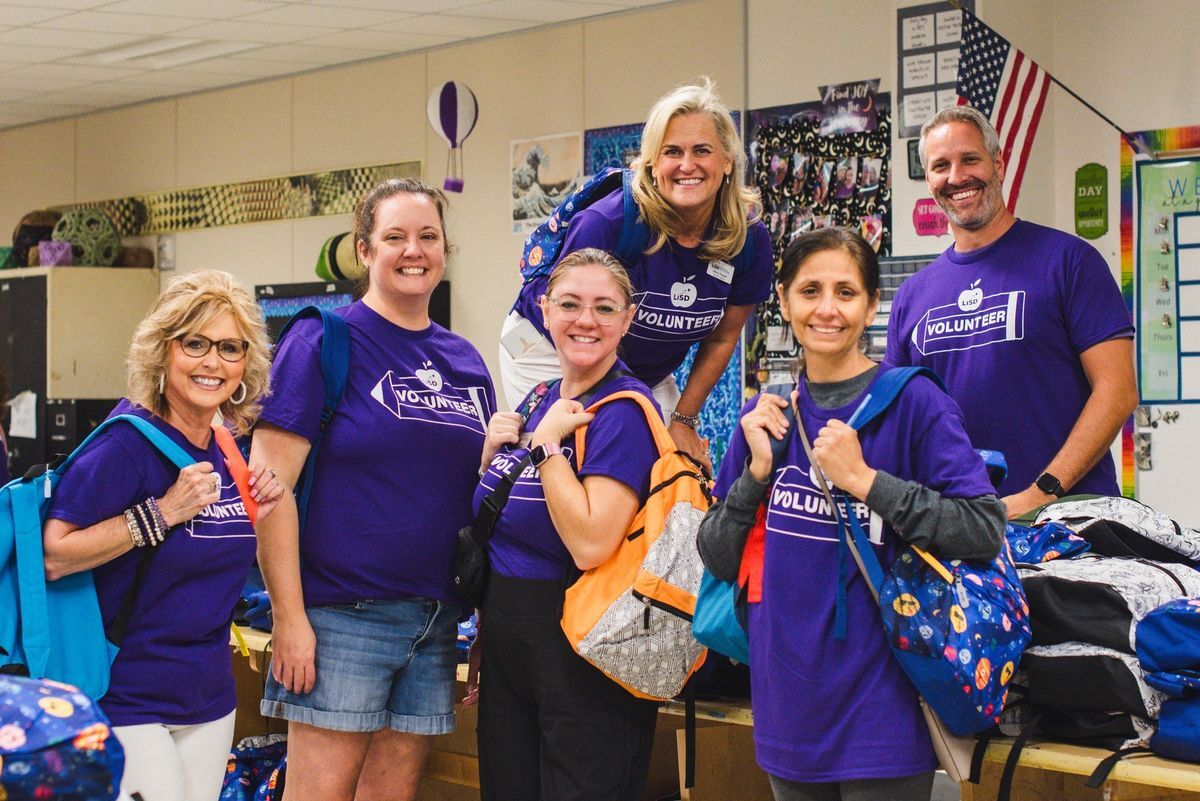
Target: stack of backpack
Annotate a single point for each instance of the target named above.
(1083, 680)
(1168, 645)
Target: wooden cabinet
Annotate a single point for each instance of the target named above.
(64, 334)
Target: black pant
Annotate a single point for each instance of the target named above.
(551, 726)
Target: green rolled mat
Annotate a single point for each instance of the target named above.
(338, 260)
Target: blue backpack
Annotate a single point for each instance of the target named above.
(335, 366)
(56, 743)
(544, 245)
(957, 628)
(53, 629)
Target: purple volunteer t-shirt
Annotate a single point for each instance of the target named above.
(1003, 325)
(398, 462)
(680, 298)
(618, 444)
(827, 710)
(174, 665)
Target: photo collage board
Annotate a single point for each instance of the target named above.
(809, 181)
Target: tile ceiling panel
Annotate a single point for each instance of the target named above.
(59, 58)
(121, 23)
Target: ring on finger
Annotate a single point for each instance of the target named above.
(271, 470)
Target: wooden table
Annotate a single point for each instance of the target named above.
(725, 766)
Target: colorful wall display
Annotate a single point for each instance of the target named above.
(810, 181)
(1134, 218)
(287, 198)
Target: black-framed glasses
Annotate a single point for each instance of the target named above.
(197, 345)
(603, 313)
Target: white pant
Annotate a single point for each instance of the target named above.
(176, 763)
(527, 358)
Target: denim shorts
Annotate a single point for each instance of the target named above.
(379, 664)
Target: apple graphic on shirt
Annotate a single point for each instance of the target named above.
(430, 377)
(971, 298)
(683, 294)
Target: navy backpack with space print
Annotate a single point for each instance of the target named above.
(544, 246)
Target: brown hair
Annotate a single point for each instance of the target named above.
(368, 205)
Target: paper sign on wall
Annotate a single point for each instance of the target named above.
(928, 219)
(1091, 201)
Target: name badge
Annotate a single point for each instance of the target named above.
(721, 270)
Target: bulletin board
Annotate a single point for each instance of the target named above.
(1167, 261)
(808, 181)
(1143, 270)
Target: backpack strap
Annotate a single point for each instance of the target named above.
(658, 430)
(335, 366)
(236, 462)
(635, 234)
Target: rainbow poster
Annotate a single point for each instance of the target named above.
(1160, 267)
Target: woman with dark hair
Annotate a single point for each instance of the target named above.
(365, 612)
(551, 725)
(181, 538)
(913, 477)
(688, 183)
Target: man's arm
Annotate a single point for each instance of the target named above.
(1109, 369)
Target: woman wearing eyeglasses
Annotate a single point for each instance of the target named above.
(176, 543)
(365, 612)
(707, 265)
(552, 726)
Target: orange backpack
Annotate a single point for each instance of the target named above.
(631, 617)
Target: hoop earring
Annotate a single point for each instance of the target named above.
(239, 401)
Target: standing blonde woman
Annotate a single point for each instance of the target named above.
(201, 350)
(689, 188)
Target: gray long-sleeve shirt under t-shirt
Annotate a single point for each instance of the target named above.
(951, 528)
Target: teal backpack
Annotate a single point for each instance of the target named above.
(53, 629)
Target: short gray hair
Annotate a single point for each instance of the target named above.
(967, 114)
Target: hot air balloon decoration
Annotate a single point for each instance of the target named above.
(452, 112)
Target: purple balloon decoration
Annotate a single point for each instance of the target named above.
(453, 111)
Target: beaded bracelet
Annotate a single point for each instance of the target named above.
(135, 531)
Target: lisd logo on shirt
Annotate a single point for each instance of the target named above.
(225, 518)
(427, 397)
(972, 321)
(798, 508)
(680, 314)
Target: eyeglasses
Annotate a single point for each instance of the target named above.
(602, 313)
(197, 345)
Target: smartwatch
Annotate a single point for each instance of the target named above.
(1050, 485)
(543, 452)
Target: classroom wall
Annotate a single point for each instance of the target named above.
(1135, 62)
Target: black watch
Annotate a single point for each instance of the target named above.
(1050, 485)
(543, 452)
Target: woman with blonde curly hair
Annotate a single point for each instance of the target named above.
(177, 543)
(688, 184)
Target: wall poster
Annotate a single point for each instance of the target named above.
(544, 171)
(927, 38)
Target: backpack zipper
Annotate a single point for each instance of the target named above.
(648, 602)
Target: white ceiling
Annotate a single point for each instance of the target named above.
(61, 58)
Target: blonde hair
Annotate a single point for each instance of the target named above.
(189, 303)
(736, 204)
(592, 256)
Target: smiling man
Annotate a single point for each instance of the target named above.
(1025, 325)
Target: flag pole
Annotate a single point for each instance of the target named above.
(1137, 145)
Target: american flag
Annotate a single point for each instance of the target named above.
(1008, 88)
